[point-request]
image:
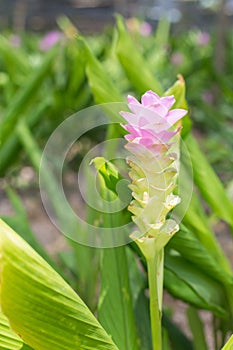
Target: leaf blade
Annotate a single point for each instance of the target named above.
(34, 297)
(8, 339)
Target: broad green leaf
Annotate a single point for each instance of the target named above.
(186, 282)
(134, 64)
(186, 243)
(138, 284)
(208, 183)
(229, 344)
(115, 309)
(142, 316)
(197, 329)
(87, 275)
(115, 306)
(20, 222)
(34, 297)
(9, 340)
(23, 98)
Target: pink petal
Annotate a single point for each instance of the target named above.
(131, 118)
(158, 127)
(160, 109)
(148, 114)
(133, 100)
(150, 98)
(165, 136)
(153, 102)
(174, 115)
(168, 101)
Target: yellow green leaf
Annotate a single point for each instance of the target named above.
(38, 303)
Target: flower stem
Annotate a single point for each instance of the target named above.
(155, 279)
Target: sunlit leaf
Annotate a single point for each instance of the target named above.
(40, 306)
(229, 344)
(8, 339)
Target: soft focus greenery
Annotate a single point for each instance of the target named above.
(41, 89)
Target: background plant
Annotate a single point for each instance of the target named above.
(196, 269)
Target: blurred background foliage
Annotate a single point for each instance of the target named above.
(48, 72)
(194, 39)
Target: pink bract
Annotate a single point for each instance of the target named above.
(150, 120)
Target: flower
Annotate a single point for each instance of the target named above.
(207, 96)
(50, 39)
(14, 40)
(153, 143)
(177, 58)
(145, 29)
(135, 26)
(203, 38)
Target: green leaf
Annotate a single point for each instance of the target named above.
(142, 315)
(186, 282)
(87, 275)
(115, 309)
(109, 173)
(40, 306)
(161, 39)
(138, 284)
(8, 339)
(195, 218)
(115, 306)
(197, 329)
(22, 99)
(16, 60)
(133, 62)
(177, 338)
(103, 89)
(20, 222)
(191, 249)
(229, 344)
(12, 147)
(208, 183)
(26, 347)
(113, 180)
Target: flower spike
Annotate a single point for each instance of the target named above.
(153, 142)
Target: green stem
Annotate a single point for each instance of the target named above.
(155, 279)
